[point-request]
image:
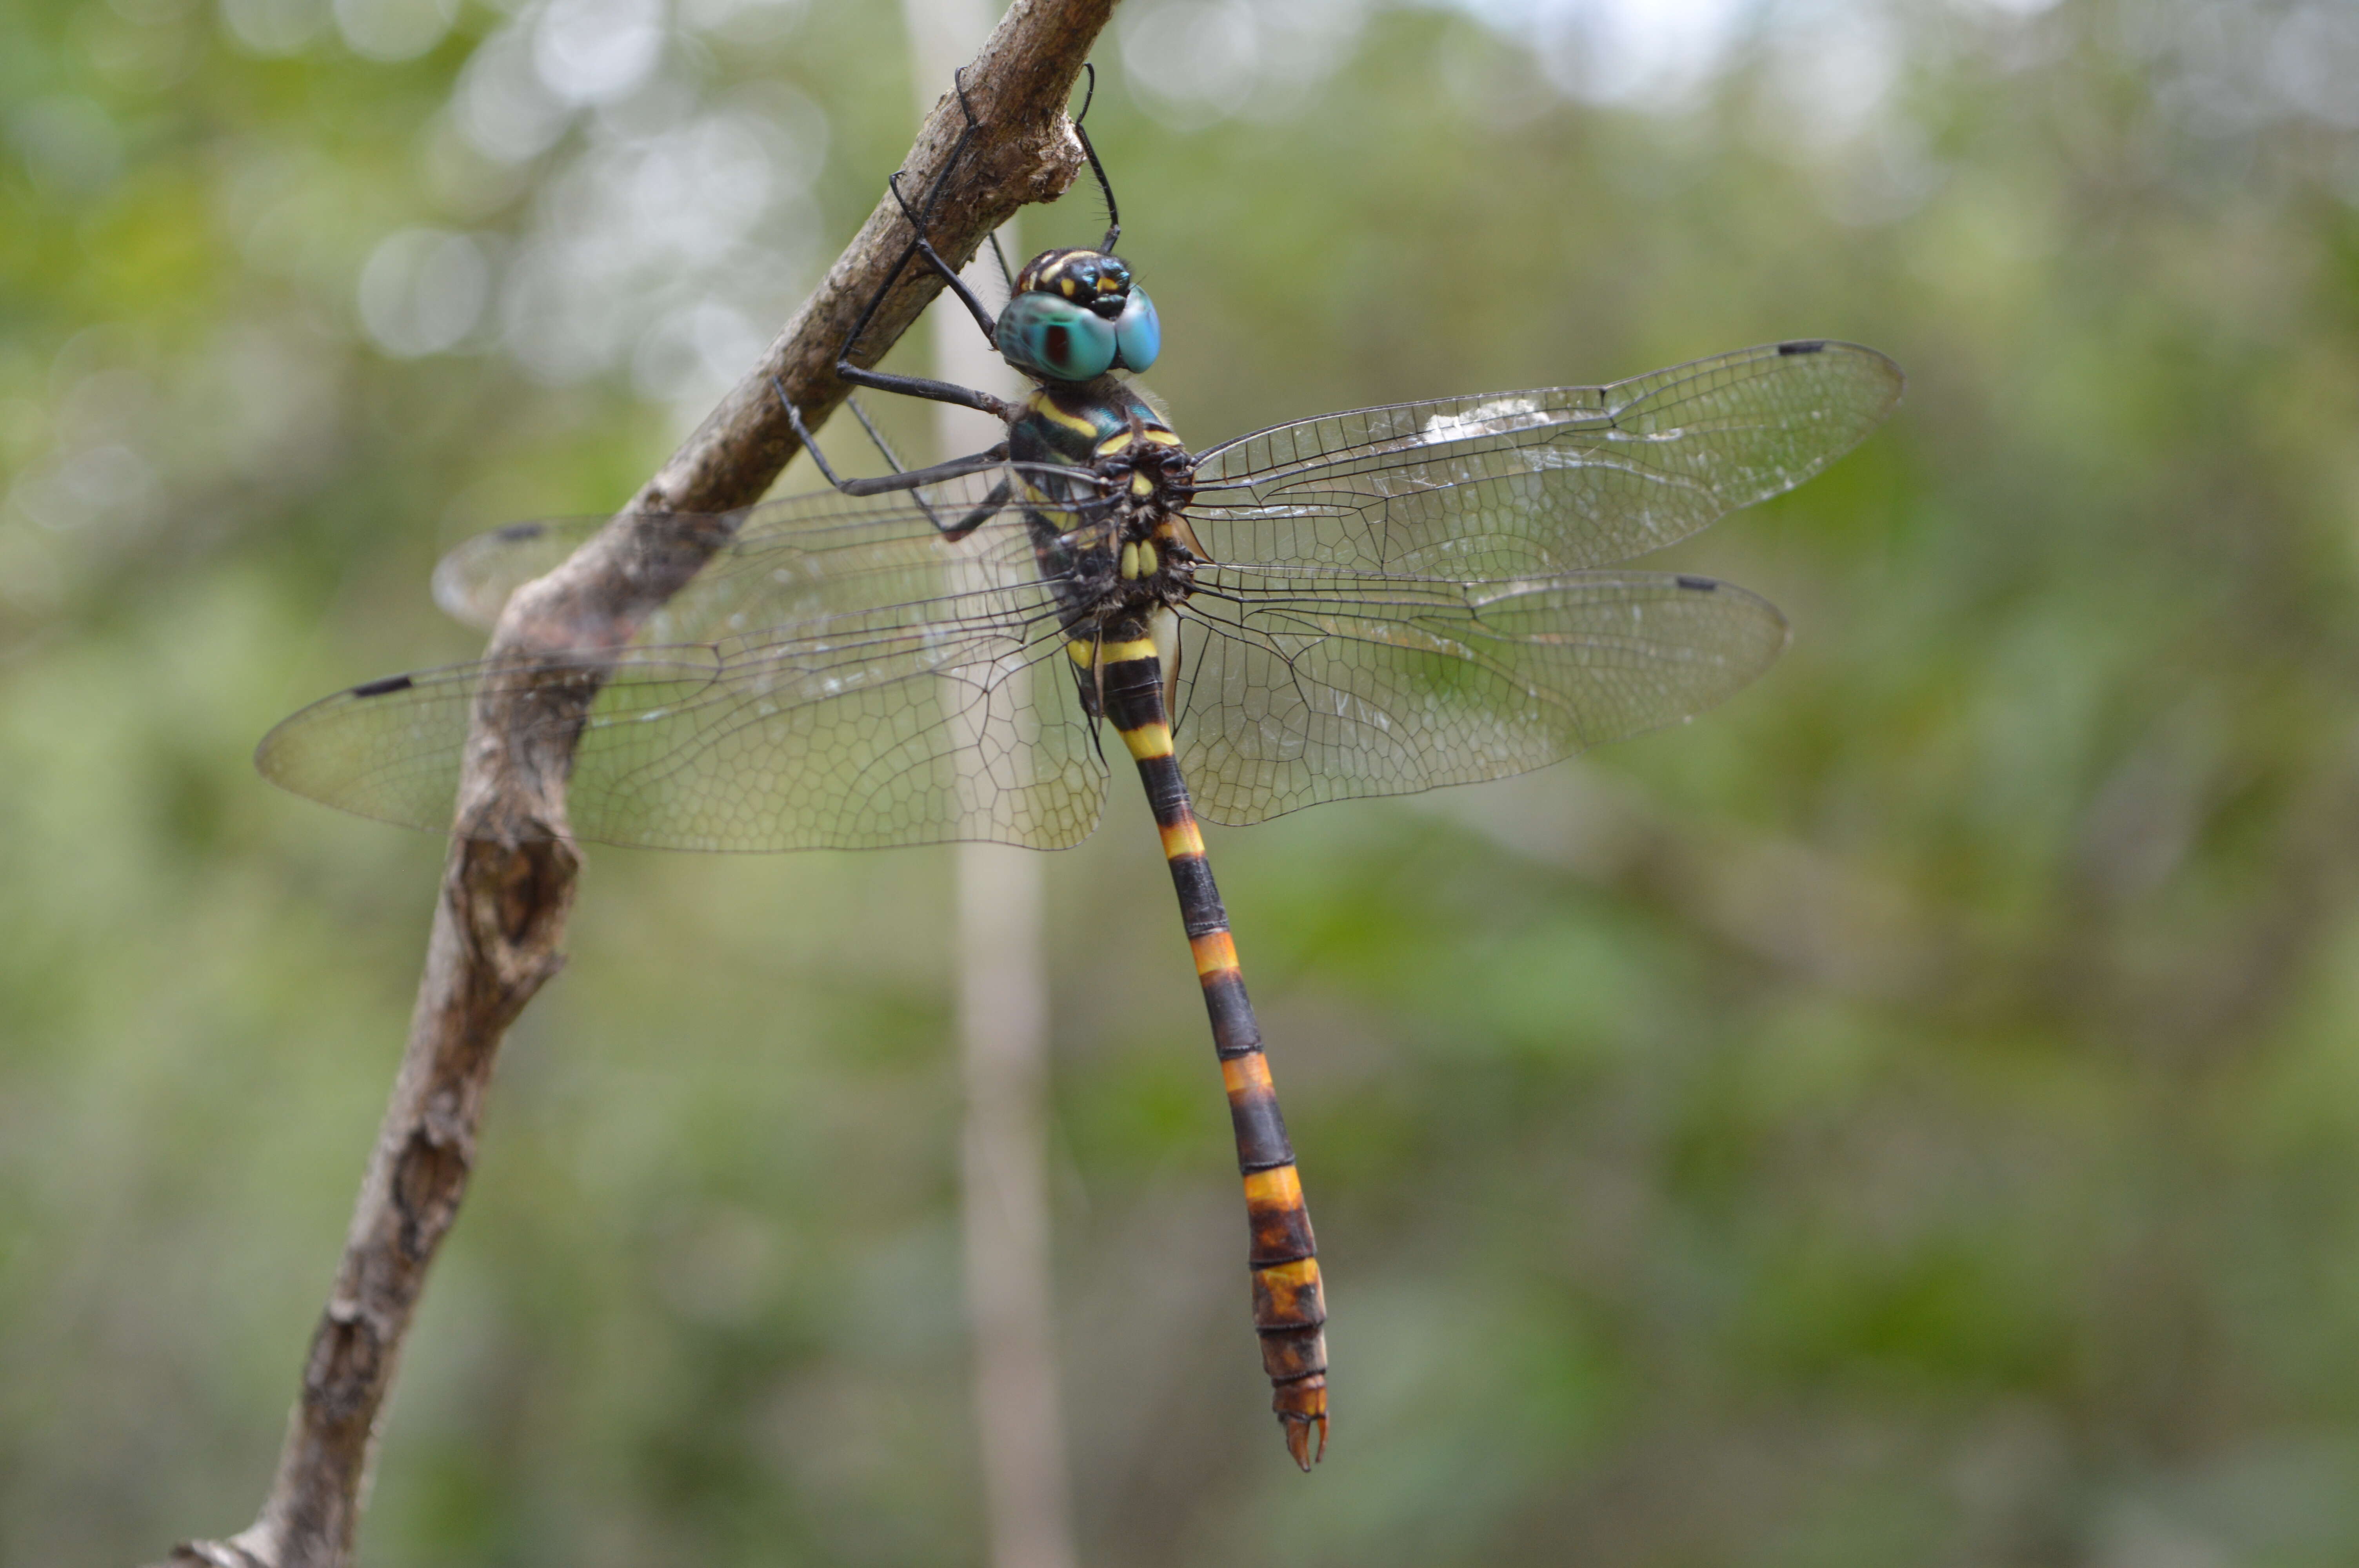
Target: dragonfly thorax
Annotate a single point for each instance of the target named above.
(1105, 484)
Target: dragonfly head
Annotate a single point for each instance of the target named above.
(1076, 315)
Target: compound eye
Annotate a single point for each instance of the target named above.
(1137, 332)
(1042, 335)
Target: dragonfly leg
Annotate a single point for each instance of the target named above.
(921, 223)
(1007, 273)
(921, 246)
(1114, 214)
(933, 259)
(885, 484)
(875, 437)
(892, 461)
(1288, 1300)
(983, 512)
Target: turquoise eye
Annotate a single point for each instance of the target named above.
(1042, 335)
(1137, 332)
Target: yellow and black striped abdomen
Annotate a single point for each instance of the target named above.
(1287, 1305)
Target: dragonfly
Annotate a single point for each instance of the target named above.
(1365, 603)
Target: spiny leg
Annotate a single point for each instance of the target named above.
(918, 224)
(925, 248)
(920, 245)
(900, 478)
(980, 514)
(875, 437)
(921, 222)
(1288, 1306)
(909, 385)
(994, 501)
(1114, 214)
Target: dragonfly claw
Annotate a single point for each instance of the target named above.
(1298, 1440)
(1301, 1406)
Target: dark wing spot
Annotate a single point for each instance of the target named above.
(1804, 346)
(1696, 584)
(385, 688)
(516, 533)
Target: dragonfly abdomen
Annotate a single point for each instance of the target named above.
(1288, 1306)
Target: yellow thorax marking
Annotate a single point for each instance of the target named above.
(1114, 443)
(1160, 437)
(1138, 560)
(1039, 403)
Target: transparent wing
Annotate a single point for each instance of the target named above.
(775, 555)
(1533, 483)
(473, 581)
(839, 676)
(1400, 605)
(1306, 687)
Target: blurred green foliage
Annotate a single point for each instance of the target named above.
(1910, 1116)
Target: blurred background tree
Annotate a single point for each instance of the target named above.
(1910, 1116)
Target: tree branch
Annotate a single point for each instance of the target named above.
(510, 882)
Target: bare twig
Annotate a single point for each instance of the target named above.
(510, 882)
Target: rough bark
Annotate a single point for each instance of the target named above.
(499, 924)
